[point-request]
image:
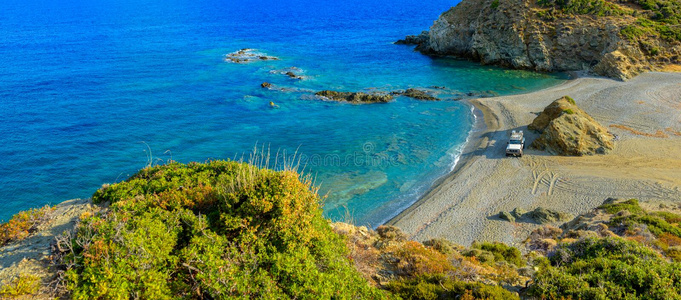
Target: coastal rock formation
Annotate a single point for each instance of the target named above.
(504, 215)
(548, 36)
(568, 130)
(292, 72)
(416, 94)
(543, 216)
(293, 75)
(414, 39)
(356, 98)
(540, 215)
(247, 55)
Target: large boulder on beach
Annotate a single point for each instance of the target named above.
(567, 130)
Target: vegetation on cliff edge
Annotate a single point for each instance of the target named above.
(212, 231)
(660, 18)
(224, 230)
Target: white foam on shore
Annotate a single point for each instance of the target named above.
(420, 190)
(460, 149)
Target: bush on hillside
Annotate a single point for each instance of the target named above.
(607, 268)
(434, 286)
(217, 230)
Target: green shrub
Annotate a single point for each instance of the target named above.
(630, 205)
(658, 226)
(502, 252)
(441, 245)
(217, 230)
(609, 268)
(569, 111)
(415, 260)
(570, 100)
(20, 286)
(659, 17)
(443, 287)
(494, 4)
(669, 217)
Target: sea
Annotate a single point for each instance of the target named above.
(92, 91)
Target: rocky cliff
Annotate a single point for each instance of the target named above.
(608, 38)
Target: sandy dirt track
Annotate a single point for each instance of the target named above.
(645, 114)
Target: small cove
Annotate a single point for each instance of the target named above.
(87, 87)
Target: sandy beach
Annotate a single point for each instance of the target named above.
(645, 114)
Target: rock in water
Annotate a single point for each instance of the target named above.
(414, 39)
(567, 130)
(293, 75)
(417, 94)
(265, 85)
(247, 55)
(355, 97)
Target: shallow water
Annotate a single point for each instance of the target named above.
(90, 90)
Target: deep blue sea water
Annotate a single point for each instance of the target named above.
(88, 89)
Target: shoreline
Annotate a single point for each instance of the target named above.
(486, 121)
(484, 182)
(480, 128)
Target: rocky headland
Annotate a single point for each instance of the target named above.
(617, 39)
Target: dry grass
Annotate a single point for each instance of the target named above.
(20, 286)
(658, 134)
(671, 68)
(672, 131)
(21, 225)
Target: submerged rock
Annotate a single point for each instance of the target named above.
(247, 55)
(355, 97)
(293, 75)
(567, 130)
(416, 94)
(291, 72)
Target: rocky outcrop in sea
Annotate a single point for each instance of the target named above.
(247, 55)
(356, 98)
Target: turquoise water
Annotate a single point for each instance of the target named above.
(89, 89)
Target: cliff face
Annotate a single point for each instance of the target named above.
(523, 35)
